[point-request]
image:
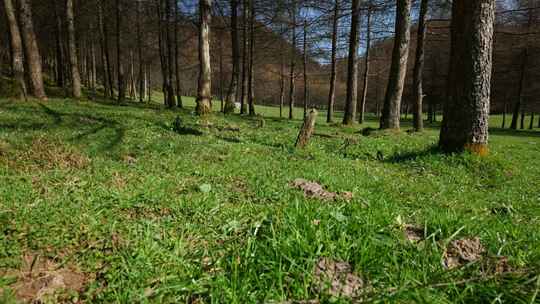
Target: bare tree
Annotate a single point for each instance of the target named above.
(204, 92)
(333, 69)
(366, 69)
(418, 124)
(73, 60)
(233, 86)
(16, 49)
(466, 112)
(398, 69)
(352, 66)
(292, 90)
(119, 66)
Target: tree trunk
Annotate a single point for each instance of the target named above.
(16, 49)
(251, 85)
(292, 90)
(306, 89)
(466, 112)
(108, 76)
(366, 70)
(141, 83)
(119, 66)
(60, 80)
(418, 121)
(352, 67)
(519, 103)
(31, 50)
(504, 112)
(178, 88)
(73, 60)
(170, 60)
(233, 86)
(333, 69)
(204, 94)
(398, 69)
(281, 86)
(245, 59)
(307, 129)
(531, 124)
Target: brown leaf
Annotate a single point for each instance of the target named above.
(337, 278)
(316, 190)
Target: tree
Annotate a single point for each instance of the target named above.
(333, 68)
(73, 60)
(366, 69)
(398, 69)
(60, 71)
(120, 68)
(140, 51)
(233, 86)
(292, 90)
(178, 87)
(352, 66)
(245, 55)
(204, 91)
(31, 50)
(16, 49)
(466, 111)
(305, 60)
(418, 124)
(105, 50)
(251, 73)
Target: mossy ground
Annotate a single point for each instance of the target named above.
(206, 213)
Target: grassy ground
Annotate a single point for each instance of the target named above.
(137, 212)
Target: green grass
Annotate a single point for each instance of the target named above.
(151, 215)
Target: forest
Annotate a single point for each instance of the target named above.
(270, 151)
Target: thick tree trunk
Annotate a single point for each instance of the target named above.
(418, 93)
(333, 68)
(178, 87)
(251, 84)
(31, 50)
(352, 67)
(16, 49)
(466, 112)
(204, 94)
(306, 82)
(398, 69)
(292, 89)
(235, 44)
(119, 66)
(366, 70)
(73, 60)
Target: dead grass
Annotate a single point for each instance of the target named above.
(44, 154)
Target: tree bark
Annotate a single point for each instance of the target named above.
(108, 76)
(281, 86)
(119, 66)
(170, 60)
(333, 68)
(141, 83)
(245, 59)
(292, 89)
(519, 102)
(306, 82)
(251, 83)
(31, 50)
(398, 69)
(60, 80)
(233, 86)
(178, 88)
(204, 94)
(418, 121)
(16, 49)
(466, 112)
(366, 70)
(352, 66)
(307, 129)
(73, 60)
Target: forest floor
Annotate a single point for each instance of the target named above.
(108, 203)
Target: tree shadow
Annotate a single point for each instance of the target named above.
(412, 155)
(511, 132)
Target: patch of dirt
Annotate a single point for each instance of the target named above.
(316, 190)
(413, 233)
(48, 155)
(129, 159)
(336, 278)
(41, 280)
(463, 251)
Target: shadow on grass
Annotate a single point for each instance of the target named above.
(511, 132)
(413, 155)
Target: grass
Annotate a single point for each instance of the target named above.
(207, 215)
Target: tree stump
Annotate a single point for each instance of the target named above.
(307, 129)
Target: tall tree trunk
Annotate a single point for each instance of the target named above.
(73, 60)
(170, 60)
(251, 84)
(418, 93)
(119, 66)
(333, 68)
(235, 45)
(281, 86)
(108, 77)
(178, 87)
(352, 66)
(398, 69)
(306, 82)
(141, 83)
(162, 53)
(31, 50)
(16, 49)
(204, 94)
(292, 89)
(245, 59)
(466, 112)
(60, 80)
(531, 124)
(366, 70)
